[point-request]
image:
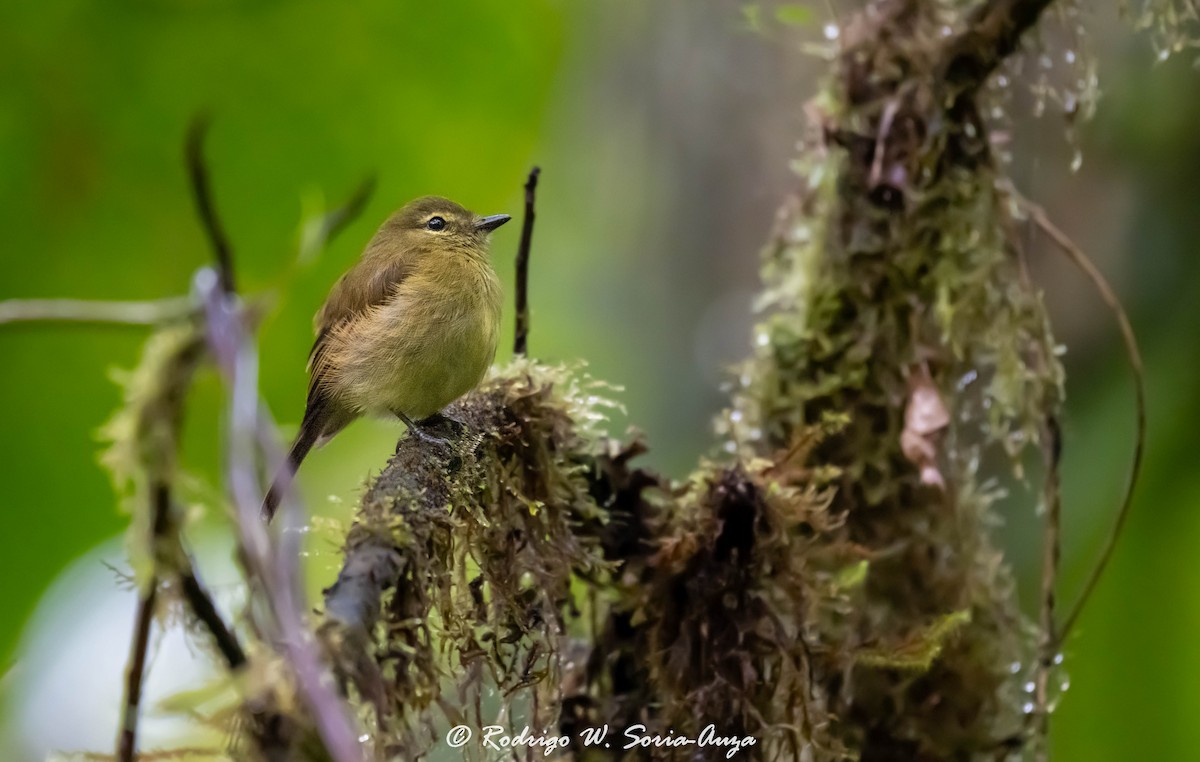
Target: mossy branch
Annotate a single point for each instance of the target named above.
(992, 33)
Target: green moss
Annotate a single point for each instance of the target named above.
(898, 263)
(484, 542)
(142, 435)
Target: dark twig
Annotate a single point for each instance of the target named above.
(127, 735)
(336, 221)
(1076, 255)
(201, 604)
(202, 194)
(169, 412)
(319, 231)
(992, 33)
(522, 331)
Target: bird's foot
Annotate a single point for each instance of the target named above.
(418, 430)
(439, 419)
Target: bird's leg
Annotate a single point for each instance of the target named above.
(420, 432)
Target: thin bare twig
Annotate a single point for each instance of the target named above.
(1051, 557)
(127, 735)
(85, 311)
(1077, 256)
(319, 231)
(202, 194)
(201, 604)
(336, 221)
(1051, 441)
(522, 330)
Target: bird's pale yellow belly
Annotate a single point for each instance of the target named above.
(424, 349)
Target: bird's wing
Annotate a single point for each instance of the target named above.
(368, 284)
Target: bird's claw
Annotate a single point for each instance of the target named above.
(418, 430)
(425, 436)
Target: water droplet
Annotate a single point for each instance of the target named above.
(735, 416)
(1164, 54)
(730, 447)
(1027, 708)
(755, 434)
(1015, 667)
(1058, 658)
(1077, 160)
(364, 738)
(1045, 61)
(967, 379)
(1069, 56)
(831, 31)
(946, 31)
(762, 339)
(1029, 687)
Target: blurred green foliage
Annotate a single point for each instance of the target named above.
(1134, 663)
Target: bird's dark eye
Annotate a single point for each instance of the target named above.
(435, 223)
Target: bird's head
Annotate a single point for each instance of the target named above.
(433, 222)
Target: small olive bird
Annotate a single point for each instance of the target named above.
(410, 328)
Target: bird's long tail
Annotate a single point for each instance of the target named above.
(310, 431)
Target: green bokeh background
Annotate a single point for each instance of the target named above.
(664, 130)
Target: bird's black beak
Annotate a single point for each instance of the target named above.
(490, 223)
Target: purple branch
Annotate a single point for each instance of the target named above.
(277, 568)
